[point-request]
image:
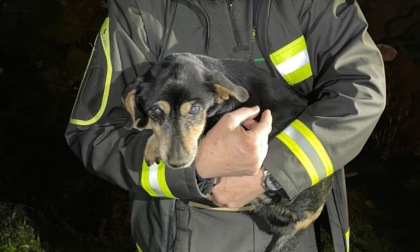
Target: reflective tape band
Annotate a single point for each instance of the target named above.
(303, 143)
(292, 61)
(317, 146)
(347, 240)
(300, 155)
(153, 180)
(299, 75)
(104, 37)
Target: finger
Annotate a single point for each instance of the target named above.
(219, 204)
(267, 117)
(243, 114)
(265, 124)
(249, 124)
(214, 201)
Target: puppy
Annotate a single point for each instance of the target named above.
(184, 95)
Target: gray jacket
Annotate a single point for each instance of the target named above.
(322, 48)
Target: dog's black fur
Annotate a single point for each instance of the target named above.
(184, 95)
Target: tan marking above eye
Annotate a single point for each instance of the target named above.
(164, 106)
(185, 108)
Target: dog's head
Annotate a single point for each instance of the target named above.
(175, 98)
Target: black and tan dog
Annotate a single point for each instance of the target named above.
(184, 95)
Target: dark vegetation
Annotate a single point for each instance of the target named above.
(49, 202)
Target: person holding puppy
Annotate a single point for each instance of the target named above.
(321, 48)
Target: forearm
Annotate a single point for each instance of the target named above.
(108, 152)
(100, 130)
(347, 98)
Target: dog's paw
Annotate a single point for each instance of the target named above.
(151, 152)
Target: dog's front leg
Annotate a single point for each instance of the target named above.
(151, 152)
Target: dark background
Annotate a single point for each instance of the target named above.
(44, 49)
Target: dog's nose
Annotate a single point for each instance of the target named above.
(177, 165)
(178, 160)
(178, 156)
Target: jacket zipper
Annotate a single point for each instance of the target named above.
(239, 44)
(231, 6)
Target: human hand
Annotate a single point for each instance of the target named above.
(236, 192)
(229, 149)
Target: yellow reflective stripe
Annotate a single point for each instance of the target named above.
(153, 180)
(347, 240)
(138, 248)
(307, 148)
(145, 180)
(162, 181)
(316, 144)
(288, 51)
(292, 61)
(104, 36)
(300, 155)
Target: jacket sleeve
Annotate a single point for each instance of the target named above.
(347, 97)
(99, 131)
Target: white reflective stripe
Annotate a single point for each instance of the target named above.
(308, 149)
(293, 63)
(154, 180)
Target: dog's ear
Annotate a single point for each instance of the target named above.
(226, 88)
(130, 106)
(138, 117)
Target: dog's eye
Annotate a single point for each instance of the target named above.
(156, 113)
(194, 109)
